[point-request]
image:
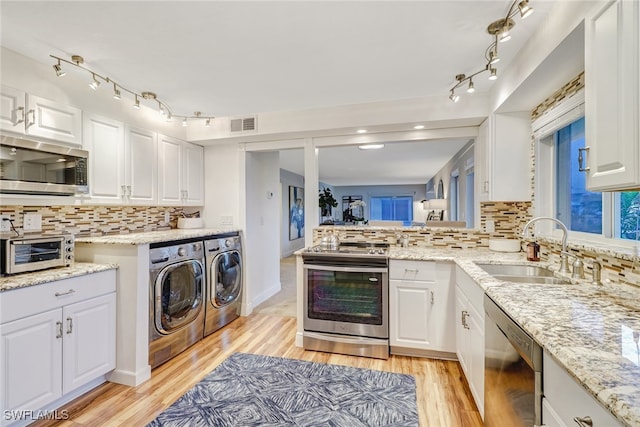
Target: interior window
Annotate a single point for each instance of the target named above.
(398, 208)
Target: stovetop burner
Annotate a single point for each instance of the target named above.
(352, 249)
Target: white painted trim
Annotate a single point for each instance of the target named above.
(559, 116)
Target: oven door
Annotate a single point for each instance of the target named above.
(346, 300)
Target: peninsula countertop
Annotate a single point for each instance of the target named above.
(588, 329)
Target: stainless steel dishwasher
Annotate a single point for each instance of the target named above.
(512, 372)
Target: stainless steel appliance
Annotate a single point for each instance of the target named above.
(223, 257)
(346, 299)
(512, 374)
(32, 253)
(176, 298)
(33, 167)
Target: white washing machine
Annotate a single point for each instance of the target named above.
(223, 260)
(176, 305)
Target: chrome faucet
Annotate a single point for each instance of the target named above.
(564, 255)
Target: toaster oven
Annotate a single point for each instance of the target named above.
(31, 253)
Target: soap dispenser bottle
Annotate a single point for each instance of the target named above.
(533, 251)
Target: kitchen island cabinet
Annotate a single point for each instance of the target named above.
(57, 341)
(420, 308)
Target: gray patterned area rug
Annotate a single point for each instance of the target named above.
(253, 390)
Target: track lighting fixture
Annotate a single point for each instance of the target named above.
(500, 30)
(525, 9)
(471, 88)
(78, 61)
(95, 83)
(59, 71)
(116, 92)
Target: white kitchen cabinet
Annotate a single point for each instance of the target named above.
(565, 401)
(29, 114)
(141, 166)
(420, 308)
(612, 96)
(104, 140)
(12, 109)
(55, 339)
(469, 330)
(503, 156)
(180, 172)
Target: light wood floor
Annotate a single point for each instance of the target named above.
(442, 392)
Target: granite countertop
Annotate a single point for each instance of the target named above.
(148, 237)
(24, 280)
(590, 330)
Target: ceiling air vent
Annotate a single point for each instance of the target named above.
(245, 124)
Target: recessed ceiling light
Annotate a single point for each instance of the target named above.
(417, 127)
(371, 146)
(361, 131)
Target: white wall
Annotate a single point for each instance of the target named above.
(262, 237)
(288, 247)
(367, 191)
(224, 192)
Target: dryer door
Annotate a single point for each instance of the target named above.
(178, 295)
(225, 278)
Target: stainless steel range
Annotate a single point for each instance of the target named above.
(346, 306)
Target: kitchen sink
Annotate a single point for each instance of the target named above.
(522, 273)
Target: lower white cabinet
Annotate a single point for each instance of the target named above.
(566, 403)
(469, 332)
(420, 308)
(54, 339)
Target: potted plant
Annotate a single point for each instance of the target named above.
(326, 201)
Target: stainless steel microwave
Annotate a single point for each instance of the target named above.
(33, 167)
(25, 254)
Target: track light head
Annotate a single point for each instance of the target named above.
(525, 9)
(494, 74)
(136, 102)
(95, 83)
(59, 71)
(116, 92)
(455, 98)
(471, 88)
(207, 123)
(184, 122)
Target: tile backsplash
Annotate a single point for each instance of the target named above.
(96, 220)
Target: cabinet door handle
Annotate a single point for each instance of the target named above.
(464, 316)
(69, 325)
(406, 270)
(582, 158)
(69, 292)
(21, 110)
(58, 329)
(584, 421)
(26, 118)
(432, 298)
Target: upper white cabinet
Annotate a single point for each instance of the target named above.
(612, 96)
(104, 139)
(420, 308)
(32, 115)
(503, 158)
(180, 172)
(141, 166)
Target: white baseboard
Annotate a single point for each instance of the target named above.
(266, 293)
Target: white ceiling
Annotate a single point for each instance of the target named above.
(230, 58)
